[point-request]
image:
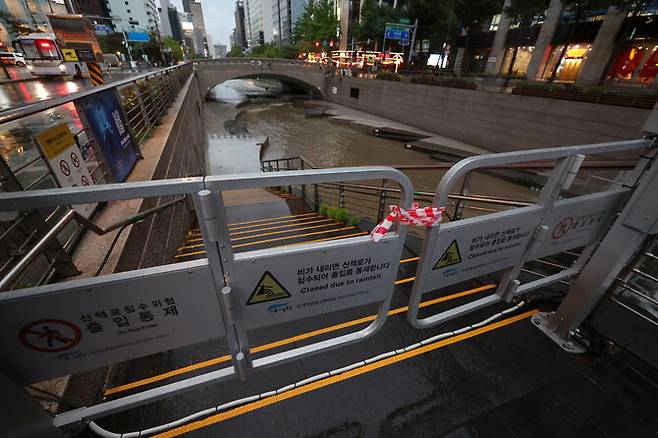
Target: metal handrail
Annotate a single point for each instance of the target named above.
(530, 165)
(69, 217)
(14, 114)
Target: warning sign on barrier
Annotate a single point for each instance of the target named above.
(50, 335)
(579, 221)
(471, 247)
(64, 328)
(267, 289)
(64, 158)
(278, 286)
(450, 256)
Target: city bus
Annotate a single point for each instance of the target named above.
(63, 52)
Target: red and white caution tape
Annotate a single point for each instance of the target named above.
(417, 216)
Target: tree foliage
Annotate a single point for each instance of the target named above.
(374, 17)
(175, 47)
(523, 11)
(235, 52)
(318, 23)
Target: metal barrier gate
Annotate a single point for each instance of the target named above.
(468, 248)
(50, 331)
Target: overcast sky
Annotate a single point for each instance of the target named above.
(218, 17)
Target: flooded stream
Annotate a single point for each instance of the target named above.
(325, 143)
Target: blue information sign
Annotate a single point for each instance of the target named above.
(139, 37)
(396, 33)
(103, 114)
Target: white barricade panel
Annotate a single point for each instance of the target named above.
(287, 284)
(64, 328)
(579, 221)
(472, 247)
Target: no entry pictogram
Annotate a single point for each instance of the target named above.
(75, 159)
(50, 335)
(562, 227)
(65, 168)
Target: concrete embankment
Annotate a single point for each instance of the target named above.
(490, 120)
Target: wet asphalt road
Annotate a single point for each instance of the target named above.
(30, 90)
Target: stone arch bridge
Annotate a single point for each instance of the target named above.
(215, 71)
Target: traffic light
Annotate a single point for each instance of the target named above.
(317, 44)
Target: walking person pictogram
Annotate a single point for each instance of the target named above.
(50, 335)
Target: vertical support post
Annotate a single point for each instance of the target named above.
(301, 166)
(316, 197)
(638, 219)
(382, 202)
(459, 204)
(142, 107)
(341, 196)
(131, 130)
(509, 282)
(212, 220)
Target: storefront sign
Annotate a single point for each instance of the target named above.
(65, 161)
(104, 116)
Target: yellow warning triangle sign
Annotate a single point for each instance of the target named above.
(450, 256)
(267, 289)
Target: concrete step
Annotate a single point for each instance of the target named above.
(262, 235)
(445, 149)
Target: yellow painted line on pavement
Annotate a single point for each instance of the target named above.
(272, 233)
(188, 254)
(261, 222)
(344, 236)
(234, 224)
(288, 341)
(278, 227)
(278, 239)
(328, 381)
(326, 239)
(409, 260)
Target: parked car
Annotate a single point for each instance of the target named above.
(12, 58)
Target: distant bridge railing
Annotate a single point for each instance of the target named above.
(258, 62)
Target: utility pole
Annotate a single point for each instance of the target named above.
(128, 48)
(413, 43)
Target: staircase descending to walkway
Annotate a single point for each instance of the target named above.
(263, 225)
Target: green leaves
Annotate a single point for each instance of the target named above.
(318, 23)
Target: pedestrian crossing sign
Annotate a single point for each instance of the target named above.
(267, 289)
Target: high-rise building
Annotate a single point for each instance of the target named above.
(281, 22)
(32, 14)
(199, 33)
(240, 34)
(134, 16)
(285, 14)
(220, 51)
(95, 9)
(163, 12)
(174, 18)
(187, 28)
(259, 20)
